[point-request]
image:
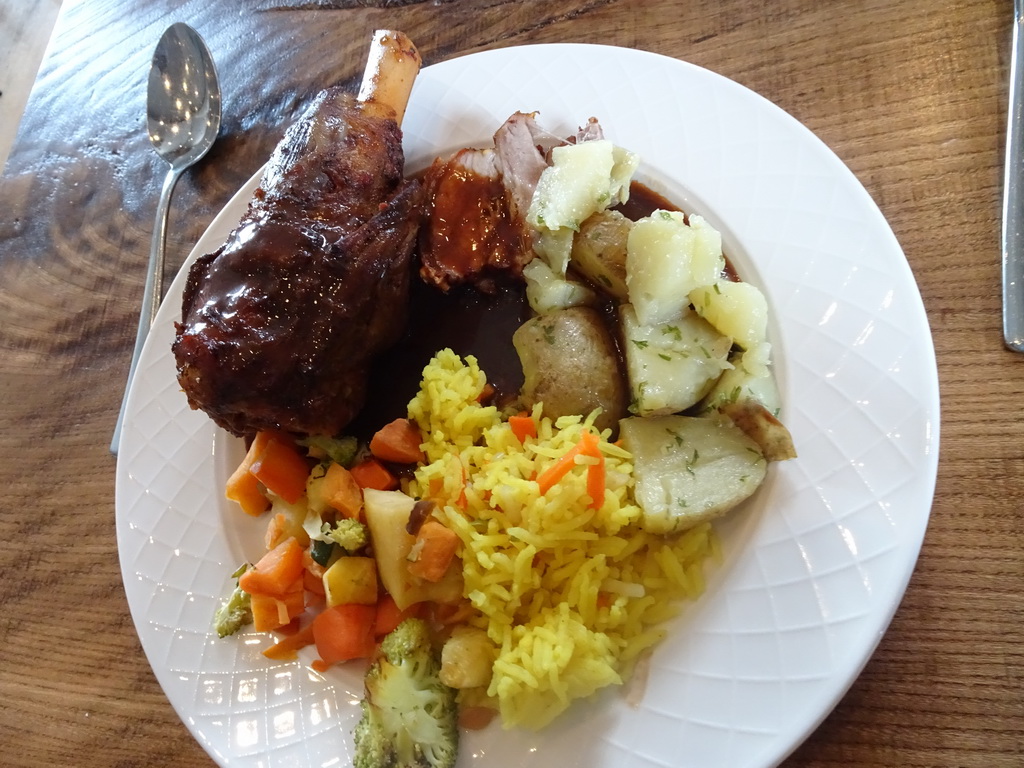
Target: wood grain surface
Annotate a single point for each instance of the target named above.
(910, 95)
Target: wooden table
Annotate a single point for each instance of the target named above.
(911, 97)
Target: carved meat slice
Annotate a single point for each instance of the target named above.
(469, 235)
(475, 226)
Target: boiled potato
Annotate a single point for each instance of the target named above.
(467, 658)
(667, 259)
(738, 310)
(599, 251)
(546, 291)
(387, 514)
(763, 428)
(554, 246)
(571, 366)
(671, 365)
(690, 469)
(750, 379)
(351, 580)
(582, 179)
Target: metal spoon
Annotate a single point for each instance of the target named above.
(183, 115)
(1013, 194)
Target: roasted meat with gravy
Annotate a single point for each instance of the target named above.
(469, 235)
(280, 324)
(475, 227)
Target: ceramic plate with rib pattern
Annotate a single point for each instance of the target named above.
(815, 564)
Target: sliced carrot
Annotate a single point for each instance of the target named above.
(342, 491)
(370, 473)
(345, 632)
(243, 486)
(398, 442)
(589, 445)
(436, 545)
(276, 571)
(522, 427)
(595, 484)
(286, 648)
(389, 615)
(282, 469)
(462, 501)
(275, 611)
(547, 479)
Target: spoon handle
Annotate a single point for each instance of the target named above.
(1013, 194)
(152, 292)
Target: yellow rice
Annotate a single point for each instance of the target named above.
(569, 595)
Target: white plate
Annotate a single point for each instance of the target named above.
(814, 567)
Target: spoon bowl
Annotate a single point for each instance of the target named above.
(183, 106)
(183, 119)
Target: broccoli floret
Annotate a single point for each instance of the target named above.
(349, 534)
(340, 449)
(236, 612)
(410, 718)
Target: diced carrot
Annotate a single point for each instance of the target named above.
(243, 486)
(345, 632)
(275, 611)
(398, 442)
(522, 427)
(435, 486)
(370, 473)
(275, 531)
(276, 571)
(314, 584)
(390, 616)
(342, 491)
(285, 649)
(436, 545)
(452, 613)
(486, 394)
(476, 718)
(282, 469)
(312, 565)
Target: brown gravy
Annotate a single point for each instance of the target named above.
(470, 323)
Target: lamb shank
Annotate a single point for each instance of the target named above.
(279, 324)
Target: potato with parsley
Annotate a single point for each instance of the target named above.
(581, 180)
(690, 469)
(738, 310)
(599, 252)
(667, 259)
(673, 364)
(748, 380)
(570, 365)
(546, 291)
